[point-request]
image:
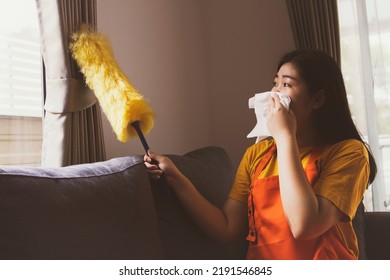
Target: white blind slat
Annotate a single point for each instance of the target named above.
(20, 84)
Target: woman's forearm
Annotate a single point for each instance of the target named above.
(298, 198)
(223, 225)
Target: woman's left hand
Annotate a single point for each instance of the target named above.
(281, 122)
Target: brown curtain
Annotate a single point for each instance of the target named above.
(73, 130)
(315, 25)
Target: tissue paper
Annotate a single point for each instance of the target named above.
(260, 103)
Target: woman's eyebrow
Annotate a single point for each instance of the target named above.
(285, 76)
(289, 77)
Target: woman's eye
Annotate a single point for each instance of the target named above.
(286, 85)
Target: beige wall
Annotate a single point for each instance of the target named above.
(197, 62)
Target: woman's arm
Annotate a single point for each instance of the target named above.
(308, 215)
(223, 225)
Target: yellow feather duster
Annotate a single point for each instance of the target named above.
(124, 107)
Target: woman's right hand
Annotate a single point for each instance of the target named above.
(281, 121)
(164, 166)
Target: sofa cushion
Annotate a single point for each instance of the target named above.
(377, 231)
(211, 171)
(102, 210)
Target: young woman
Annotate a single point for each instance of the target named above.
(298, 191)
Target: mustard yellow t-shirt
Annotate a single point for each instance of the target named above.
(343, 176)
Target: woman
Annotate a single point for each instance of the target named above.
(298, 191)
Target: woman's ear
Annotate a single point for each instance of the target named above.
(319, 99)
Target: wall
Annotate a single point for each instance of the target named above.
(197, 62)
(244, 42)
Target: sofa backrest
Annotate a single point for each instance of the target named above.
(102, 210)
(211, 171)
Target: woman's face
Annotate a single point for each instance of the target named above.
(289, 82)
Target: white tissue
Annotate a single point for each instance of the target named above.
(260, 103)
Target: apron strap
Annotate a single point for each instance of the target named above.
(315, 154)
(311, 168)
(263, 162)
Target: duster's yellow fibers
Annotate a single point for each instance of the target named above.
(120, 101)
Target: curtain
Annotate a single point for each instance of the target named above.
(365, 45)
(315, 25)
(72, 132)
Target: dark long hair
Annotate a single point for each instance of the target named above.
(333, 119)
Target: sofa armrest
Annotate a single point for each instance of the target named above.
(377, 233)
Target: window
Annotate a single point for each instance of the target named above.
(20, 84)
(365, 53)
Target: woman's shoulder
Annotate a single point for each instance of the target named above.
(344, 148)
(259, 149)
(261, 146)
(352, 145)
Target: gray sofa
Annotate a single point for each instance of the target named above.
(111, 210)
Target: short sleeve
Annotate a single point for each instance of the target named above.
(246, 169)
(344, 171)
(242, 181)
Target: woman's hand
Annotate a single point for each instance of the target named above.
(281, 122)
(164, 167)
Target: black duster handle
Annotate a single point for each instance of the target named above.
(141, 136)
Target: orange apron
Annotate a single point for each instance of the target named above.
(269, 234)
